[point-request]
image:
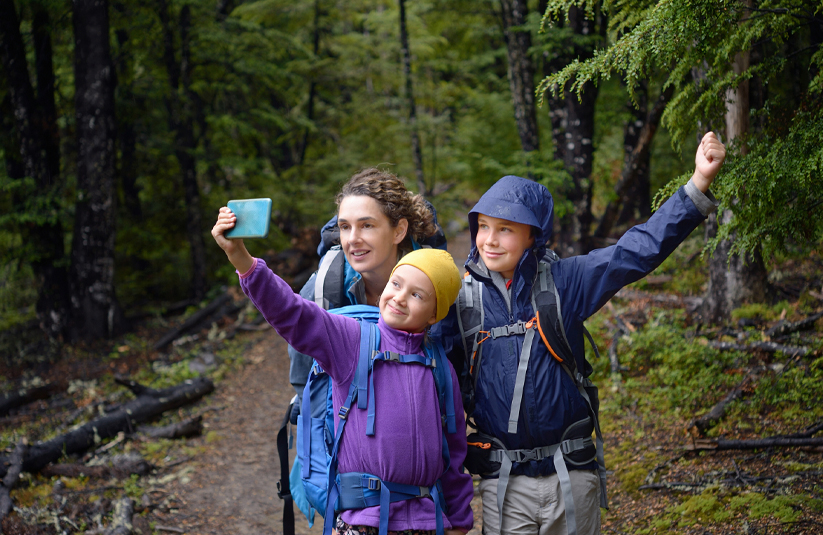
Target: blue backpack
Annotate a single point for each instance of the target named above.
(315, 484)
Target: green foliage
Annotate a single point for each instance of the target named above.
(761, 311)
(781, 183)
(132, 487)
(677, 372)
(795, 392)
(692, 44)
(715, 506)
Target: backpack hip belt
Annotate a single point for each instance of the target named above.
(360, 490)
(538, 454)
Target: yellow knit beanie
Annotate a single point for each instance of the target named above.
(439, 267)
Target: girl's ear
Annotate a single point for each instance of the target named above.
(400, 230)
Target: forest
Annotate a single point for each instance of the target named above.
(125, 126)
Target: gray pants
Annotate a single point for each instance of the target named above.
(534, 505)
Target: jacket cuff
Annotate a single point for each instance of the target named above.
(705, 202)
(249, 272)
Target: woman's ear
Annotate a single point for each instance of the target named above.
(400, 230)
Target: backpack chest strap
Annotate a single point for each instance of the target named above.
(390, 356)
(510, 330)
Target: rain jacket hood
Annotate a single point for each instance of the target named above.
(520, 200)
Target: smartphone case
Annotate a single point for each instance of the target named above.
(253, 217)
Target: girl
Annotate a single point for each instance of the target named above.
(406, 446)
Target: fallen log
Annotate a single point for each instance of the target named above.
(12, 400)
(770, 347)
(689, 303)
(783, 328)
(121, 467)
(193, 321)
(187, 428)
(708, 444)
(806, 433)
(716, 413)
(121, 521)
(10, 477)
(148, 404)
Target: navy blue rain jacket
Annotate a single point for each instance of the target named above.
(551, 401)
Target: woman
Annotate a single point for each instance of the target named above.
(379, 221)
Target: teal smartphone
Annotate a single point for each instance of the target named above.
(253, 217)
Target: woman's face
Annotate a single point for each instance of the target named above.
(367, 237)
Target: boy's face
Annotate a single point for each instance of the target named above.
(408, 302)
(501, 243)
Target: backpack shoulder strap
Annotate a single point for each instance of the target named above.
(443, 384)
(546, 302)
(329, 281)
(470, 320)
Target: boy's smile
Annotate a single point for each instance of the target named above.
(501, 243)
(408, 302)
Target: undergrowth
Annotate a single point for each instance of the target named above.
(671, 376)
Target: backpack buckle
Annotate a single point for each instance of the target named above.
(282, 495)
(373, 483)
(343, 413)
(508, 330)
(521, 456)
(391, 356)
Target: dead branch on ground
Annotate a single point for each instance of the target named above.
(13, 400)
(12, 473)
(121, 522)
(782, 328)
(195, 320)
(689, 303)
(700, 425)
(187, 428)
(717, 444)
(148, 404)
(770, 347)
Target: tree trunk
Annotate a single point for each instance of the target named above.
(572, 130)
(96, 313)
(634, 165)
(733, 279)
(417, 156)
(15, 168)
(192, 190)
(637, 203)
(126, 115)
(41, 30)
(46, 238)
(520, 71)
(182, 123)
(301, 153)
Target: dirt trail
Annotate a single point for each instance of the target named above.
(232, 487)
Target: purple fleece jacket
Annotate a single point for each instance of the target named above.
(407, 441)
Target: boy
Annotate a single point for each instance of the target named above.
(525, 402)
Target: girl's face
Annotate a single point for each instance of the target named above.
(408, 302)
(367, 237)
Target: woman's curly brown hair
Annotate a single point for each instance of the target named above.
(395, 200)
